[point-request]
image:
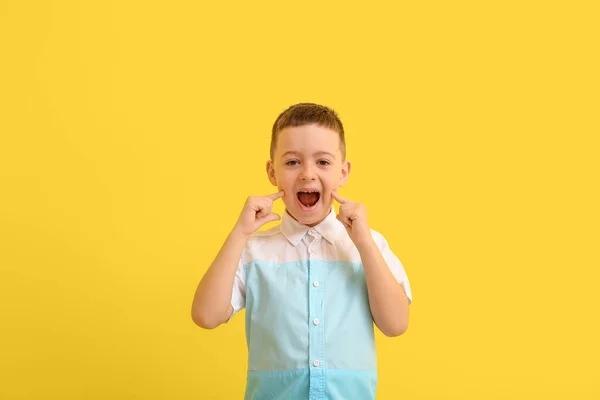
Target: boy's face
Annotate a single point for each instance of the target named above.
(308, 166)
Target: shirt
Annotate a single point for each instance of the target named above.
(309, 328)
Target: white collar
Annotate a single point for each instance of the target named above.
(294, 231)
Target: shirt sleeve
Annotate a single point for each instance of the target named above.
(393, 263)
(238, 292)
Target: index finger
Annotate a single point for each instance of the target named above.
(275, 196)
(339, 198)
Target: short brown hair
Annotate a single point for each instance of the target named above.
(306, 114)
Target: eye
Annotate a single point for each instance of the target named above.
(292, 162)
(323, 162)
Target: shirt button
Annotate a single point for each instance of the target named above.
(316, 321)
(311, 231)
(316, 283)
(316, 363)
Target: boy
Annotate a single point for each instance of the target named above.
(313, 285)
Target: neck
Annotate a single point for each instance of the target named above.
(310, 225)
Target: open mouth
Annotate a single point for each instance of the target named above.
(308, 198)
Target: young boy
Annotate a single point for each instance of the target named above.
(313, 285)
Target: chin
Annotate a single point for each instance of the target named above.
(314, 220)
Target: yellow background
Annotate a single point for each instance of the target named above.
(132, 132)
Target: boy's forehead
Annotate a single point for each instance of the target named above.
(308, 138)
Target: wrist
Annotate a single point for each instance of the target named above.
(238, 233)
(365, 244)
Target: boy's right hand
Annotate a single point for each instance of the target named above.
(256, 213)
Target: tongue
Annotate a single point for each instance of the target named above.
(308, 199)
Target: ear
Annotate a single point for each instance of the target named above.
(346, 166)
(271, 173)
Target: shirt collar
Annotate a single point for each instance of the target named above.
(294, 231)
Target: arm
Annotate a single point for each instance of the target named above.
(387, 299)
(211, 306)
(212, 302)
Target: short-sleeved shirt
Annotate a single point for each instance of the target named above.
(309, 328)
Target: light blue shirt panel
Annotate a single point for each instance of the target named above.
(277, 315)
(349, 334)
(282, 305)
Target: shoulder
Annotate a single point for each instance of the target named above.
(266, 234)
(263, 245)
(261, 239)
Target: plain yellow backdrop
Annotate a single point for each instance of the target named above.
(132, 132)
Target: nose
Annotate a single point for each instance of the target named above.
(308, 173)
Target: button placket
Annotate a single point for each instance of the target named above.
(316, 350)
(312, 248)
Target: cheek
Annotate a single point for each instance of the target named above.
(331, 181)
(284, 183)
(289, 199)
(285, 179)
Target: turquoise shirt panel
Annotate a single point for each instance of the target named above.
(307, 340)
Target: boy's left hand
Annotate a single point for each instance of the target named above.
(354, 217)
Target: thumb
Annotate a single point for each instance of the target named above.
(344, 221)
(266, 219)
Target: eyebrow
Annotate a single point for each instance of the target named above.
(318, 153)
